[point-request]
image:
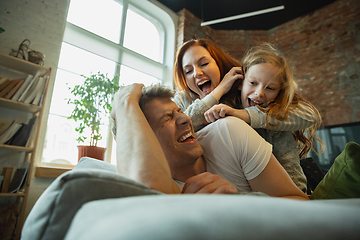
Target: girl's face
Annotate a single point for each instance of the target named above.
(201, 72)
(260, 86)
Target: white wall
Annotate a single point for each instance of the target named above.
(43, 23)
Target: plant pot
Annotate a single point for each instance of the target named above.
(91, 151)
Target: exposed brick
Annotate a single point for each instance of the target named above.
(323, 47)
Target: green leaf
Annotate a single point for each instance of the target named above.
(92, 99)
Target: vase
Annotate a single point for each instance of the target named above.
(91, 151)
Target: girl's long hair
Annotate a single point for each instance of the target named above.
(223, 60)
(287, 98)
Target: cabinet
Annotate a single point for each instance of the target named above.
(14, 156)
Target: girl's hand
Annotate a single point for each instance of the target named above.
(217, 112)
(222, 110)
(227, 82)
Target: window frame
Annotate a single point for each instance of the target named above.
(152, 10)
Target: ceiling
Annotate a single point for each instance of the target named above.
(208, 10)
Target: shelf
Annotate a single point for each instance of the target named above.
(13, 68)
(19, 106)
(12, 194)
(20, 65)
(16, 148)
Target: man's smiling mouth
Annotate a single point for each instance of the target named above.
(187, 136)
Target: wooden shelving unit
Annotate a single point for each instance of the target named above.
(11, 66)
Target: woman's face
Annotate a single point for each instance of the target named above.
(201, 72)
(260, 86)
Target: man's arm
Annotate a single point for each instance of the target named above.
(138, 152)
(275, 181)
(208, 183)
(242, 152)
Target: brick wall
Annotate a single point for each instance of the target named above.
(323, 47)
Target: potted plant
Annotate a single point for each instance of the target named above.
(92, 101)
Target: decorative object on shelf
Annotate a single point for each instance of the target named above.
(36, 57)
(92, 101)
(22, 50)
(28, 54)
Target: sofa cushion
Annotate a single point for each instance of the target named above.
(216, 217)
(343, 178)
(90, 180)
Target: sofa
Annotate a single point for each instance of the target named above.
(93, 201)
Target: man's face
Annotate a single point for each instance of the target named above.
(174, 131)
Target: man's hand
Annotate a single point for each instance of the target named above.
(208, 183)
(125, 95)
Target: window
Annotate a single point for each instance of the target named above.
(335, 138)
(132, 38)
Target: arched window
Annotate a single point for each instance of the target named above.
(132, 38)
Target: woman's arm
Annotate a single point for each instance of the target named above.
(195, 109)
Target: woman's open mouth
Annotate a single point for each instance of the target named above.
(205, 86)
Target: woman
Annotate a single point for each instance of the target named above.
(205, 76)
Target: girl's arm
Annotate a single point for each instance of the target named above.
(300, 117)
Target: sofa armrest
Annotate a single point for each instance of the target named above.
(90, 180)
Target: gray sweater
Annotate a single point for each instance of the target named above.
(279, 134)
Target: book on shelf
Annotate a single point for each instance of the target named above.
(40, 95)
(14, 89)
(12, 84)
(4, 84)
(36, 91)
(23, 135)
(1, 181)
(9, 132)
(22, 88)
(31, 86)
(7, 173)
(18, 181)
(2, 80)
(5, 124)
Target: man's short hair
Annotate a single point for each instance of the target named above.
(154, 91)
(149, 93)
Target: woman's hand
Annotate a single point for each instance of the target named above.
(222, 110)
(227, 82)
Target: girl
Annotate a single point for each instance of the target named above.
(283, 118)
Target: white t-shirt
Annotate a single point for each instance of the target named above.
(234, 150)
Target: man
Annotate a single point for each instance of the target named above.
(156, 145)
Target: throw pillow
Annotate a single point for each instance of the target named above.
(343, 178)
